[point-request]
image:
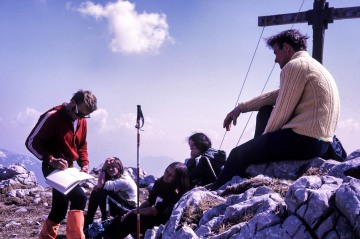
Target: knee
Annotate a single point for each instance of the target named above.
(57, 215)
(79, 203)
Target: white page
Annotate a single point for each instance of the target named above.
(67, 177)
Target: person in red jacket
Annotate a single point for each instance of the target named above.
(58, 139)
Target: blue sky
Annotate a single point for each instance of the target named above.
(184, 62)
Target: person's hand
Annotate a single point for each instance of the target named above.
(231, 117)
(108, 162)
(95, 188)
(194, 153)
(128, 213)
(58, 163)
(85, 169)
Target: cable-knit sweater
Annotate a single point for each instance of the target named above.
(307, 102)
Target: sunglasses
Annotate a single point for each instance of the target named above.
(79, 114)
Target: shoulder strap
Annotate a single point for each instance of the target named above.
(210, 166)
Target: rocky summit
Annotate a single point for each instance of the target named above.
(316, 198)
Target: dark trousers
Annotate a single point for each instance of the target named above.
(60, 202)
(120, 229)
(263, 148)
(98, 199)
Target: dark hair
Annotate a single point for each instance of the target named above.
(201, 142)
(119, 166)
(292, 37)
(86, 97)
(181, 180)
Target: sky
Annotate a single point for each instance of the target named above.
(184, 62)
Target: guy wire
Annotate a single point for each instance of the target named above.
(247, 122)
(237, 101)
(247, 73)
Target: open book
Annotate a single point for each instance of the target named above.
(65, 180)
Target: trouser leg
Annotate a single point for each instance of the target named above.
(269, 147)
(94, 201)
(262, 119)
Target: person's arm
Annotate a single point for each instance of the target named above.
(82, 151)
(190, 164)
(145, 209)
(145, 204)
(101, 179)
(102, 174)
(254, 104)
(268, 98)
(231, 118)
(42, 133)
(41, 136)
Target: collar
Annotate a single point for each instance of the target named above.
(300, 54)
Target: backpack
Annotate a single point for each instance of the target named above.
(217, 163)
(335, 151)
(97, 229)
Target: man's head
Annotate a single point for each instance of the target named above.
(82, 104)
(286, 44)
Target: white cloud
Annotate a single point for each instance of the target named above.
(29, 115)
(132, 32)
(100, 118)
(109, 124)
(350, 123)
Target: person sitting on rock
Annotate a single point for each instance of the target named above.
(305, 111)
(116, 186)
(205, 163)
(157, 209)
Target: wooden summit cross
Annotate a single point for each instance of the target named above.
(318, 17)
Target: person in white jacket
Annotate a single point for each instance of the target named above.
(116, 184)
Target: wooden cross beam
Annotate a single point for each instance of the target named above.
(318, 17)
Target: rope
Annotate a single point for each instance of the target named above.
(237, 101)
(125, 209)
(297, 15)
(247, 73)
(247, 122)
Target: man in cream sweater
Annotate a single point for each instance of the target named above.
(303, 112)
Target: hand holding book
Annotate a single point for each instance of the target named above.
(65, 180)
(58, 163)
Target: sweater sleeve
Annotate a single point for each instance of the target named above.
(41, 136)
(154, 193)
(82, 146)
(122, 183)
(256, 103)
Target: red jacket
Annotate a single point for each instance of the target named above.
(54, 136)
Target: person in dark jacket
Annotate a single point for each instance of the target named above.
(157, 209)
(202, 166)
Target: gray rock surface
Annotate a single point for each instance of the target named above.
(320, 201)
(293, 199)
